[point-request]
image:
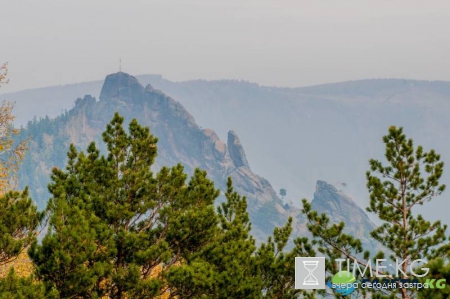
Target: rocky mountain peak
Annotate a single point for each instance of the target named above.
(329, 192)
(236, 150)
(328, 195)
(341, 208)
(121, 85)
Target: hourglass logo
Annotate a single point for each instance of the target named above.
(310, 273)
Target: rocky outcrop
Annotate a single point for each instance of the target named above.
(180, 140)
(236, 150)
(121, 86)
(341, 208)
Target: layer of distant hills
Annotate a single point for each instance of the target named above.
(294, 136)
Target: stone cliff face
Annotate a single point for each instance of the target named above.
(341, 208)
(236, 150)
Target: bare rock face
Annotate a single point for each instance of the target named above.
(236, 150)
(341, 208)
(121, 86)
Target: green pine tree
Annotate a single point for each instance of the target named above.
(115, 229)
(226, 267)
(15, 287)
(277, 267)
(232, 266)
(232, 253)
(439, 269)
(19, 220)
(410, 179)
(331, 241)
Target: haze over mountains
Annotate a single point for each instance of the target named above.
(296, 136)
(180, 140)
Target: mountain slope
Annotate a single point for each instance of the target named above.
(180, 140)
(341, 208)
(296, 136)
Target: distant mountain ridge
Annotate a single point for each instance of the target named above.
(180, 140)
(61, 97)
(371, 87)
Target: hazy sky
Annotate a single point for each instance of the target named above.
(280, 42)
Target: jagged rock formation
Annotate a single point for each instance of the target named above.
(181, 140)
(341, 208)
(236, 150)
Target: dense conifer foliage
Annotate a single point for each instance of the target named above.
(117, 230)
(396, 190)
(114, 227)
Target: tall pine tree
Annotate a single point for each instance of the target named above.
(226, 267)
(115, 229)
(408, 180)
(232, 266)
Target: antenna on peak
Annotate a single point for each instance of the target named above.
(120, 65)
